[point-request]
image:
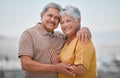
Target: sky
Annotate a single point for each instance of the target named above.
(102, 17)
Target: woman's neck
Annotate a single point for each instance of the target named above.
(70, 38)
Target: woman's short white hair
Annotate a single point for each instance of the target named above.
(71, 11)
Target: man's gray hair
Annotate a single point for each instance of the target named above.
(52, 5)
(71, 11)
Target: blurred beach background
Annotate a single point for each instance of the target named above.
(102, 17)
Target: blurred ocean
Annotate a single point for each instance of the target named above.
(108, 59)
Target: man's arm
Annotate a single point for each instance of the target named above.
(79, 69)
(30, 65)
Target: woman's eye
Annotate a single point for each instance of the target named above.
(68, 20)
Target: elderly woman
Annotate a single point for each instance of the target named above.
(80, 56)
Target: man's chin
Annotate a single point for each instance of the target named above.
(51, 29)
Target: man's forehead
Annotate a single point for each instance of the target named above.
(53, 9)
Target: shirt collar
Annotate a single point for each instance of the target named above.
(43, 31)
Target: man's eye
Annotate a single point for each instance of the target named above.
(49, 15)
(57, 18)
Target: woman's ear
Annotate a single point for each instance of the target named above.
(79, 21)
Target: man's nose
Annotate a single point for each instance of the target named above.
(52, 19)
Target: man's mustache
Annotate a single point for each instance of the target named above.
(51, 22)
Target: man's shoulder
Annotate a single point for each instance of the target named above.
(30, 28)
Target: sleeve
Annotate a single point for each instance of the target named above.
(84, 54)
(25, 44)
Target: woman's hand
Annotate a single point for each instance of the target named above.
(54, 57)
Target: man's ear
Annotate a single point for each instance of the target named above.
(41, 14)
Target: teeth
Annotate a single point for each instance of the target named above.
(51, 24)
(67, 29)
